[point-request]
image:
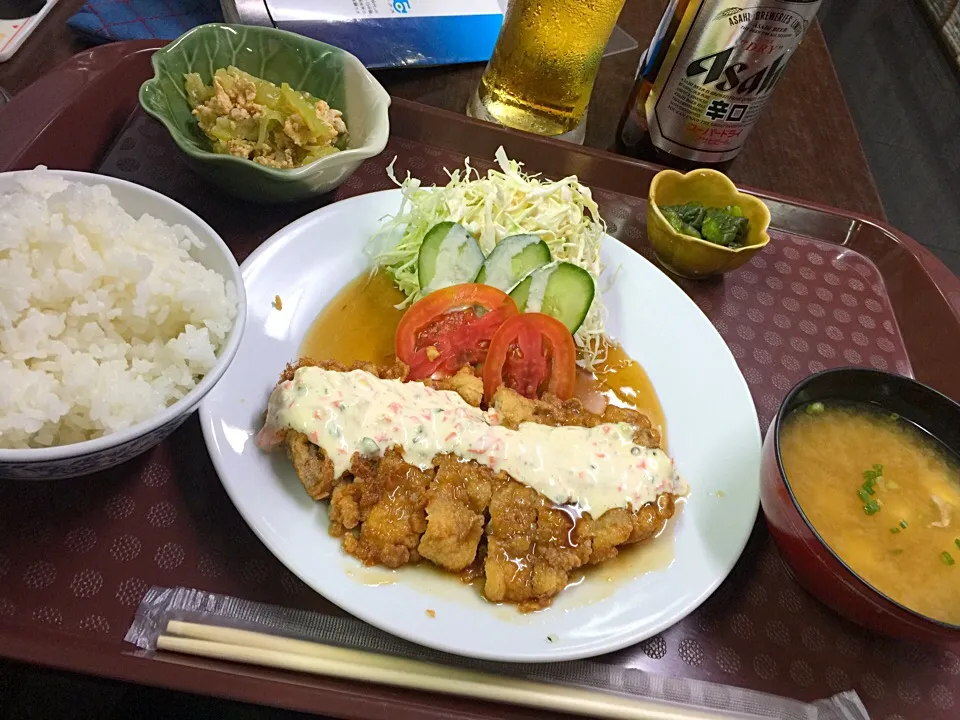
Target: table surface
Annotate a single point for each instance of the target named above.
(805, 145)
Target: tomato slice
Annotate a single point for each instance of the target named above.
(451, 328)
(533, 354)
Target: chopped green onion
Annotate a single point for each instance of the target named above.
(947, 558)
(891, 485)
(903, 524)
(864, 495)
(878, 469)
(893, 416)
(816, 407)
(957, 542)
(870, 476)
(894, 530)
(868, 487)
(871, 507)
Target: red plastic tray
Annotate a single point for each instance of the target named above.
(832, 289)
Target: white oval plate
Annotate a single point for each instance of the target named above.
(712, 433)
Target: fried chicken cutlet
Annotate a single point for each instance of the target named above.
(465, 511)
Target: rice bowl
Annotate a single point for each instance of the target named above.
(119, 310)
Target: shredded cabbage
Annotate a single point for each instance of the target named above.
(503, 203)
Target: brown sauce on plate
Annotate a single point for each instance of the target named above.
(359, 324)
(632, 562)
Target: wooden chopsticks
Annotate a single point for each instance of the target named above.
(310, 657)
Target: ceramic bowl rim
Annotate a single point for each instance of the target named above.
(186, 404)
(720, 178)
(374, 145)
(782, 414)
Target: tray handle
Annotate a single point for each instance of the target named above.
(41, 122)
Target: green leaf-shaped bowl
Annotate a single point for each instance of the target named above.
(320, 69)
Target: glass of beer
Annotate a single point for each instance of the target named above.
(543, 67)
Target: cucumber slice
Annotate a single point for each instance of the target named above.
(512, 260)
(449, 255)
(563, 290)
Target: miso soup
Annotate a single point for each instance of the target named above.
(885, 496)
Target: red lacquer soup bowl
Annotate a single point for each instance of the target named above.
(815, 565)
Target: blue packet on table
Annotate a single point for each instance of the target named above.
(101, 21)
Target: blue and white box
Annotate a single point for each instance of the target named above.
(385, 33)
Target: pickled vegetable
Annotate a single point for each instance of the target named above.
(721, 226)
(248, 117)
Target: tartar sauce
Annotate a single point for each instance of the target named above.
(355, 412)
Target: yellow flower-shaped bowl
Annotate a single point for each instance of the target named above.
(691, 257)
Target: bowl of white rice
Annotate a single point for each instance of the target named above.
(119, 310)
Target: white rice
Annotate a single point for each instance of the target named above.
(105, 319)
